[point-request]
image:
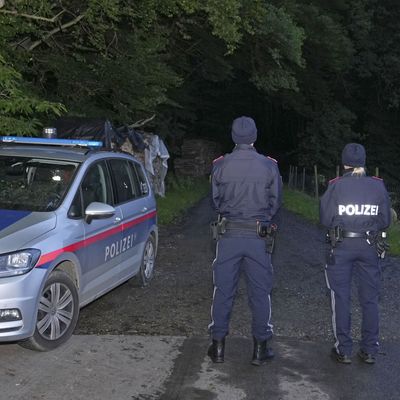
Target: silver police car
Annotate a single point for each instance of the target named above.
(75, 222)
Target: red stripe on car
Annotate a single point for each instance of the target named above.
(45, 258)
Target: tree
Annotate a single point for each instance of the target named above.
(121, 60)
(314, 74)
(20, 111)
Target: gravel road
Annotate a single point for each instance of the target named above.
(178, 300)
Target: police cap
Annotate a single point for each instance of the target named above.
(244, 130)
(353, 155)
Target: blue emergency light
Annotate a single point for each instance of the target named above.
(53, 142)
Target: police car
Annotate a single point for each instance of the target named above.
(75, 222)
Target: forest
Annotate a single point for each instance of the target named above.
(314, 74)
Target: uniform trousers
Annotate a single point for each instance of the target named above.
(354, 256)
(246, 254)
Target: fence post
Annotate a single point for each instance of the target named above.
(303, 186)
(295, 177)
(316, 181)
(376, 171)
(291, 176)
(337, 170)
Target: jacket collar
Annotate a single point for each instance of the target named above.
(244, 147)
(348, 173)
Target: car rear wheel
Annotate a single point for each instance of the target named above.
(57, 314)
(146, 272)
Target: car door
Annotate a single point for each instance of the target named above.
(135, 214)
(101, 268)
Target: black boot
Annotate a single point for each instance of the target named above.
(262, 353)
(366, 357)
(339, 357)
(216, 351)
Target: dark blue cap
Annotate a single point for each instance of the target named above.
(244, 130)
(353, 155)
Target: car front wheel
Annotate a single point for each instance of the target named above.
(57, 314)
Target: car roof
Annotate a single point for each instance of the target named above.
(50, 152)
(75, 154)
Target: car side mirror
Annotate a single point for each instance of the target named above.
(98, 210)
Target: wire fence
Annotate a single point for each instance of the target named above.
(311, 182)
(307, 180)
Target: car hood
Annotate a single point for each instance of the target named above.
(19, 228)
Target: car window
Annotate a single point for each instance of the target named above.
(143, 185)
(96, 185)
(34, 184)
(125, 180)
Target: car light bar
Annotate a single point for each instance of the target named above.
(52, 142)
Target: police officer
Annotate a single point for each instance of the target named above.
(356, 210)
(246, 193)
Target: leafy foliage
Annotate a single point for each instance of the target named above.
(314, 74)
(19, 111)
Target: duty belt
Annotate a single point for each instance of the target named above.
(237, 225)
(348, 234)
(337, 234)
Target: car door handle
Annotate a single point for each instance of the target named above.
(144, 209)
(117, 220)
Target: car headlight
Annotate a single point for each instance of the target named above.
(18, 263)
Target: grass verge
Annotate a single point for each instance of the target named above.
(308, 207)
(394, 239)
(180, 194)
(302, 204)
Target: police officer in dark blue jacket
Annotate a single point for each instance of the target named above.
(246, 192)
(356, 209)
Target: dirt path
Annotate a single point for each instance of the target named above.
(178, 300)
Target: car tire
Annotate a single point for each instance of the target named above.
(57, 313)
(146, 272)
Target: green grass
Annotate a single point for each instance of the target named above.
(394, 239)
(308, 207)
(180, 194)
(302, 204)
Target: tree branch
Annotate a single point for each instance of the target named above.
(54, 31)
(142, 122)
(29, 16)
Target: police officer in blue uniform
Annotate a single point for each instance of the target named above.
(356, 210)
(246, 193)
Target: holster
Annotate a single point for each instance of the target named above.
(218, 227)
(334, 235)
(267, 231)
(378, 239)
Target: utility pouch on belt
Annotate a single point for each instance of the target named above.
(267, 231)
(218, 227)
(334, 235)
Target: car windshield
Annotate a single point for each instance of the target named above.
(33, 184)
